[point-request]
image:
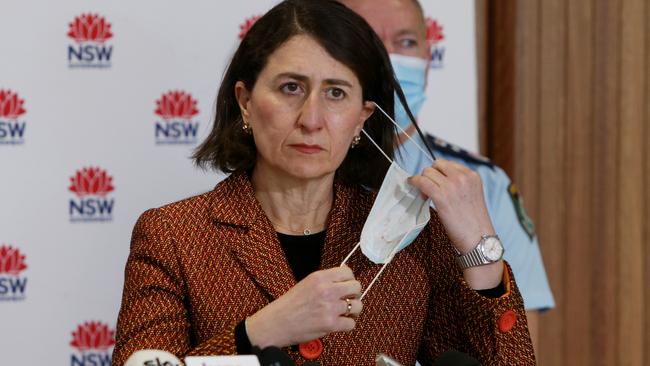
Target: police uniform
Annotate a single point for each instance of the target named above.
(506, 210)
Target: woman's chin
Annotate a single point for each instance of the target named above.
(308, 171)
(302, 169)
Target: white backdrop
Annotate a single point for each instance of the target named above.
(61, 269)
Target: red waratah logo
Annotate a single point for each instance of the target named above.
(11, 261)
(91, 181)
(176, 105)
(246, 26)
(434, 32)
(93, 336)
(11, 106)
(90, 27)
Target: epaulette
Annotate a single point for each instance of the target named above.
(451, 149)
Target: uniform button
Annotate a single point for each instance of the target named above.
(311, 350)
(507, 321)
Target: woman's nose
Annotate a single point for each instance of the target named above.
(311, 115)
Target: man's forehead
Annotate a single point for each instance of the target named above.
(394, 16)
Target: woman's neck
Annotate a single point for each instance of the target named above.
(294, 206)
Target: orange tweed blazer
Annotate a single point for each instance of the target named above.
(199, 266)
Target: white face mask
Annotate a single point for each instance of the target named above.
(398, 215)
(396, 218)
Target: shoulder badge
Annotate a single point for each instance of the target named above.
(524, 220)
(451, 149)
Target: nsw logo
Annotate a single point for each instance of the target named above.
(176, 110)
(90, 50)
(92, 341)
(91, 186)
(435, 36)
(247, 24)
(12, 283)
(12, 127)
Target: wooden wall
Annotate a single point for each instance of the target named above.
(565, 101)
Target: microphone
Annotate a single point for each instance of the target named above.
(455, 358)
(152, 357)
(383, 360)
(273, 356)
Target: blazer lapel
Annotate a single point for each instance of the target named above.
(346, 221)
(257, 249)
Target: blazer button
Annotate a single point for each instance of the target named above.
(311, 350)
(507, 321)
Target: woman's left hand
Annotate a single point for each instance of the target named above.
(457, 193)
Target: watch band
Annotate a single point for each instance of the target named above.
(471, 259)
(475, 257)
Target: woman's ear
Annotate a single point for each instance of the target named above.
(243, 98)
(366, 112)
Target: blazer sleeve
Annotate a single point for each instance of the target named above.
(493, 330)
(154, 312)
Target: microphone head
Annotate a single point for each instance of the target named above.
(152, 357)
(383, 360)
(455, 358)
(273, 356)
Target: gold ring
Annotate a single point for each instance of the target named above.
(349, 309)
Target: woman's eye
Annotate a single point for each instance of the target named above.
(336, 93)
(290, 88)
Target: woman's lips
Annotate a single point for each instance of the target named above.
(307, 149)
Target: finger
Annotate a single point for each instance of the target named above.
(461, 176)
(355, 306)
(344, 324)
(347, 289)
(335, 274)
(341, 274)
(435, 175)
(430, 189)
(425, 185)
(443, 165)
(456, 167)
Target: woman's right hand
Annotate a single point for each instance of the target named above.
(313, 308)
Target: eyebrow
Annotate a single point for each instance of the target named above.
(405, 32)
(304, 78)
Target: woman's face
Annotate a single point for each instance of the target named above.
(304, 111)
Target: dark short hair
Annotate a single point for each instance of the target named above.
(347, 38)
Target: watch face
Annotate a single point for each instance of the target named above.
(492, 249)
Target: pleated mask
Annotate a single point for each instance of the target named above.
(397, 216)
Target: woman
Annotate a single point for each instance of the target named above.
(256, 261)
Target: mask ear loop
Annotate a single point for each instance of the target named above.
(390, 259)
(377, 146)
(426, 153)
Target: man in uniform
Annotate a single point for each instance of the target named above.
(402, 27)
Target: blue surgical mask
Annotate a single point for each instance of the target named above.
(411, 73)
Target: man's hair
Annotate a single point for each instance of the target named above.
(419, 6)
(348, 39)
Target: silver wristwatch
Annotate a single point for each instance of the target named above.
(488, 250)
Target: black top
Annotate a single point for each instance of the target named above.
(303, 252)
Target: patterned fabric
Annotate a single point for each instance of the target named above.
(199, 266)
